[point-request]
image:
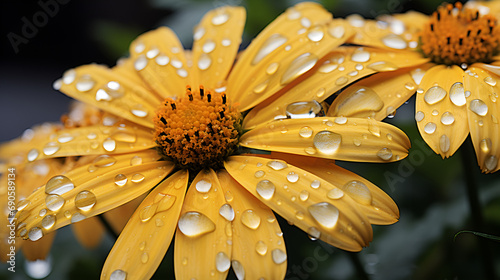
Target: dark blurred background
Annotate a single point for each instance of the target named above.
(429, 191)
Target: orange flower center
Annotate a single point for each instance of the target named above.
(198, 130)
(458, 35)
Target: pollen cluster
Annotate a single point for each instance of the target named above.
(458, 35)
(198, 130)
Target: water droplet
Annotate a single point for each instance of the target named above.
(266, 189)
(118, 275)
(222, 262)
(65, 138)
(385, 153)
(337, 31)
(137, 178)
(292, 177)
(48, 221)
(430, 128)
(84, 83)
(485, 145)
(394, 41)
(444, 143)
(279, 256)
(35, 233)
(58, 185)
(358, 191)
(204, 62)
(261, 248)
(54, 202)
(315, 184)
(109, 144)
(277, 165)
(419, 116)
(491, 162)
(250, 219)
(315, 34)
(23, 204)
(304, 195)
(303, 109)
(271, 44)
(125, 136)
(313, 233)
(220, 18)
(193, 224)
(203, 186)
(434, 95)
(85, 200)
(335, 193)
(341, 80)
(259, 173)
(490, 81)
(227, 212)
(42, 212)
(360, 55)
(238, 269)
(447, 118)
(104, 161)
(162, 60)
(327, 142)
(298, 66)
(32, 155)
(383, 66)
(69, 76)
(356, 100)
(325, 214)
(457, 94)
(141, 62)
(479, 107)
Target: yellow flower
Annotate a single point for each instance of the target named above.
(179, 118)
(452, 65)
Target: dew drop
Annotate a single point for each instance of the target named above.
(48, 221)
(335, 193)
(325, 214)
(313, 233)
(434, 95)
(271, 44)
(292, 177)
(385, 153)
(315, 34)
(23, 204)
(457, 94)
(227, 212)
(266, 189)
(394, 41)
(141, 62)
(58, 185)
(382, 66)
(65, 138)
(162, 60)
(485, 145)
(277, 165)
(193, 224)
(121, 180)
(327, 142)
(204, 62)
(304, 195)
(430, 128)
(104, 161)
(279, 256)
(137, 178)
(84, 83)
(444, 143)
(447, 118)
(490, 81)
(360, 55)
(261, 248)
(259, 173)
(479, 107)
(341, 81)
(42, 212)
(222, 262)
(358, 191)
(139, 110)
(203, 186)
(315, 184)
(298, 66)
(54, 202)
(303, 109)
(32, 155)
(238, 269)
(85, 200)
(250, 219)
(77, 217)
(220, 18)
(419, 116)
(358, 100)
(337, 31)
(69, 76)
(118, 275)
(35, 233)
(109, 144)
(491, 162)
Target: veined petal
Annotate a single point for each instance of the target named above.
(377, 96)
(483, 111)
(89, 190)
(216, 42)
(342, 67)
(203, 237)
(440, 112)
(371, 200)
(89, 232)
(113, 138)
(39, 249)
(288, 48)
(111, 91)
(145, 239)
(258, 246)
(158, 56)
(303, 199)
(119, 216)
(341, 138)
(15, 150)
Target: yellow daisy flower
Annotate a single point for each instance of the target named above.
(454, 72)
(179, 126)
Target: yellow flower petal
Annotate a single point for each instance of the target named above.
(203, 237)
(340, 138)
(288, 48)
(16, 149)
(440, 111)
(89, 232)
(374, 202)
(40, 249)
(377, 96)
(158, 56)
(304, 199)
(89, 190)
(146, 237)
(118, 217)
(216, 42)
(483, 111)
(113, 137)
(111, 91)
(341, 67)
(258, 246)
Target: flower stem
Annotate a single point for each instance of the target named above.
(107, 226)
(358, 266)
(470, 172)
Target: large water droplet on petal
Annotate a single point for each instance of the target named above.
(358, 100)
(104, 161)
(277, 165)
(58, 185)
(479, 107)
(39, 269)
(35, 233)
(434, 95)
(447, 118)
(325, 214)
(48, 221)
(266, 189)
(85, 200)
(299, 66)
(271, 44)
(250, 219)
(491, 162)
(394, 41)
(118, 275)
(54, 202)
(227, 212)
(359, 192)
(279, 256)
(261, 248)
(51, 148)
(193, 224)
(444, 143)
(238, 269)
(222, 262)
(457, 94)
(327, 142)
(385, 153)
(203, 186)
